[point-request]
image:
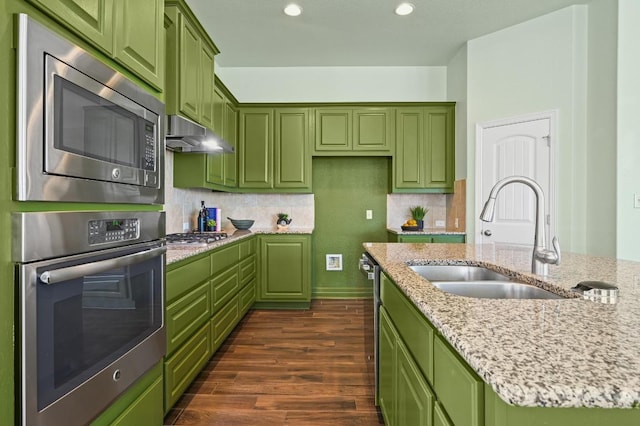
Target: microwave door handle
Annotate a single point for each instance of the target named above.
(79, 271)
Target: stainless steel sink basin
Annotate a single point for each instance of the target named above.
(495, 290)
(479, 282)
(458, 273)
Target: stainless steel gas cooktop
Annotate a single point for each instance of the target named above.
(192, 239)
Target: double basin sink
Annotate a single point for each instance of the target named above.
(479, 282)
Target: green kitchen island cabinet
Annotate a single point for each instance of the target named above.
(424, 158)
(189, 65)
(218, 172)
(131, 32)
(341, 131)
(284, 271)
(274, 153)
(423, 376)
(206, 296)
(425, 237)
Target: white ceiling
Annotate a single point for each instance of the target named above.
(256, 33)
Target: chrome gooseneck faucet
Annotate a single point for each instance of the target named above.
(542, 256)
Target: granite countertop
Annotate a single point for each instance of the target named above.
(176, 254)
(426, 231)
(553, 353)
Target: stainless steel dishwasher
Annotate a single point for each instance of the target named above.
(371, 269)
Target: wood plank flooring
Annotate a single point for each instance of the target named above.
(310, 367)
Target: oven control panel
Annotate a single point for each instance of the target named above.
(113, 230)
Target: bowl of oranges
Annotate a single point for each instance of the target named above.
(410, 225)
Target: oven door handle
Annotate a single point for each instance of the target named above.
(79, 271)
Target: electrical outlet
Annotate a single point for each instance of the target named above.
(636, 201)
(455, 223)
(185, 226)
(369, 214)
(440, 223)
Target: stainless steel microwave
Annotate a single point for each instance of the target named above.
(86, 133)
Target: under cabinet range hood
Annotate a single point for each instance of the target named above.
(184, 135)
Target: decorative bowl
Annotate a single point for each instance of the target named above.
(410, 228)
(241, 224)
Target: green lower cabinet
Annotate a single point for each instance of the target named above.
(206, 298)
(415, 399)
(459, 390)
(439, 416)
(386, 368)
(426, 238)
(405, 397)
(185, 364)
(141, 404)
(285, 270)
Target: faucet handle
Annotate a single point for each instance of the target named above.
(556, 248)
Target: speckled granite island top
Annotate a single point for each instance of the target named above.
(561, 353)
(176, 254)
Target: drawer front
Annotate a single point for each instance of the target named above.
(186, 315)
(446, 238)
(225, 257)
(459, 390)
(247, 248)
(224, 321)
(247, 297)
(247, 270)
(223, 288)
(185, 278)
(414, 329)
(185, 364)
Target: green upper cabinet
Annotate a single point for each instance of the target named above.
(130, 32)
(139, 38)
(333, 130)
(190, 60)
(373, 130)
(212, 171)
(424, 154)
(222, 170)
(353, 131)
(292, 157)
(273, 150)
(255, 148)
(91, 19)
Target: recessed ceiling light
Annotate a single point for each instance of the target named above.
(293, 10)
(404, 9)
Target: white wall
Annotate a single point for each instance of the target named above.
(457, 91)
(628, 127)
(535, 66)
(601, 128)
(336, 84)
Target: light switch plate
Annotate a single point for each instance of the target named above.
(636, 201)
(439, 223)
(369, 214)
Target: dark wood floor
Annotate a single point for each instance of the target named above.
(312, 367)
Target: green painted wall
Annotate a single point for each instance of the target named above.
(344, 189)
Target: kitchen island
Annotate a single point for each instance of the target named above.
(533, 353)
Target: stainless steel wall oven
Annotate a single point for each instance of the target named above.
(90, 309)
(86, 133)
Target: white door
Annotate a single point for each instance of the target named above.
(518, 148)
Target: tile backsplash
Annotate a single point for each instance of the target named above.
(398, 209)
(182, 206)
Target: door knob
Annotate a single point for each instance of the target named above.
(487, 232)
